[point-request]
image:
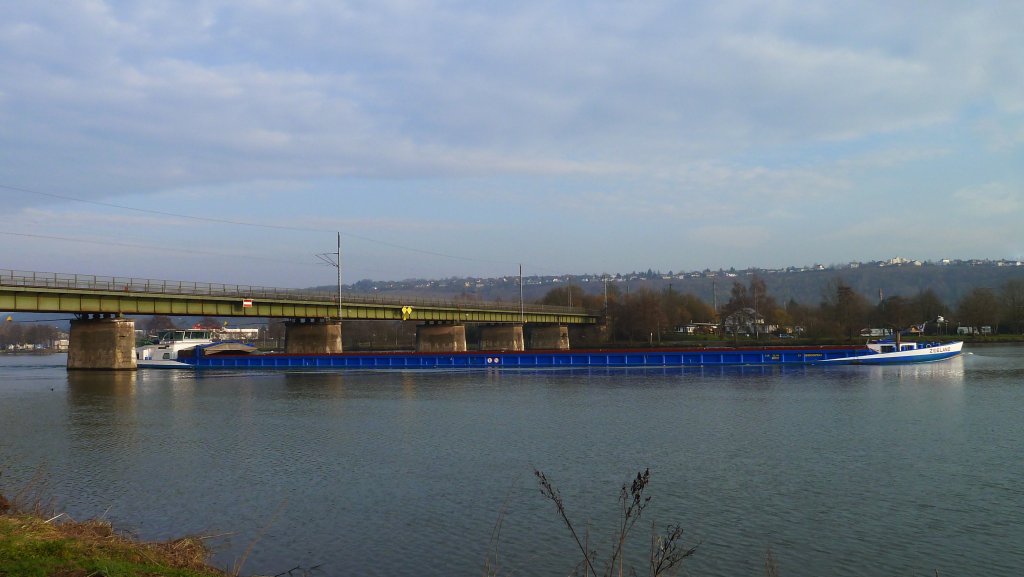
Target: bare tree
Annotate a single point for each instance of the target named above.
(157, 323)
(1012, 296)
(979, 308)
(845, 308)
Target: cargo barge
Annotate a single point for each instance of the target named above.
(208, 357)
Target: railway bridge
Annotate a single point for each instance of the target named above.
(103, 336)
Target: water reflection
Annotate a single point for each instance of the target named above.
(949, 372)
(102, 411)
(117, 387)
(315, 384)
(943, 373)
(180, 385)
(408, 386)
(494, 374)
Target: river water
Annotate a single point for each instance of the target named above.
(838, 471)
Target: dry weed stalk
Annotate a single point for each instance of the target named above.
(236, 570)
(666, 553)
(491, 564)
(31, 498)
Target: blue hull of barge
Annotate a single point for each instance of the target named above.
(532, 359)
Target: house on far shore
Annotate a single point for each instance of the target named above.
(747, 321)
(699, 329)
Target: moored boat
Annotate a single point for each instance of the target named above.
(175, 345)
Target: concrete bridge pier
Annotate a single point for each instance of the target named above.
(440, 338)
(102, 342)
(312, 337)
(549, 337)
(501, 338)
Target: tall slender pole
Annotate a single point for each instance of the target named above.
(756, 332)
(339, 277)
(522, 311)
(714, 297)
(606, 293)
(326, 258)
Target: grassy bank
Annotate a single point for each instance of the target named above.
(35, 545)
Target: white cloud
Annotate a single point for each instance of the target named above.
(653, 111)
(994, 199)
(207, 92)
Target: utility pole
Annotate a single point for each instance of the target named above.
(714, 299)
(756, 331)
(522, 312)
(606, 293)
(339, 276)
(334, 259)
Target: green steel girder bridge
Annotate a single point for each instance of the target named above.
(47, 292)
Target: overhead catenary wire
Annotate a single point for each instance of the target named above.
(262, 225)
(170, 249)
(150, 247)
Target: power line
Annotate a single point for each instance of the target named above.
(161, 212)
(150, 247)
(363, 269)
(254, 224)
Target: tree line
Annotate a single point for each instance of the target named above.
(18, 334)
(841, 312)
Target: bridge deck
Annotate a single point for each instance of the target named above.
(27, 291)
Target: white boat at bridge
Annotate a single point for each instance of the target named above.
(166, 353)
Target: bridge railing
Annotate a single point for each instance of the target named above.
(50, 280)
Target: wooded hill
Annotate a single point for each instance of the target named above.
(950, 282)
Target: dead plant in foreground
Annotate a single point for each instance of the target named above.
(666, 549)
(31, 498)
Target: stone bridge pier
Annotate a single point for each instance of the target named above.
(549, 337)
(440, 338)
(312, 337)
(449, 338)
(102, 342)
(501, 338)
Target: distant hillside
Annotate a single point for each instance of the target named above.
(949, 281)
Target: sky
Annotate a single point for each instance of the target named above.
(231, 141)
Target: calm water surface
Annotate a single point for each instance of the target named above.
(839, 471)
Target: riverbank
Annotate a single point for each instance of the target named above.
(37, 545)
(769, 340)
